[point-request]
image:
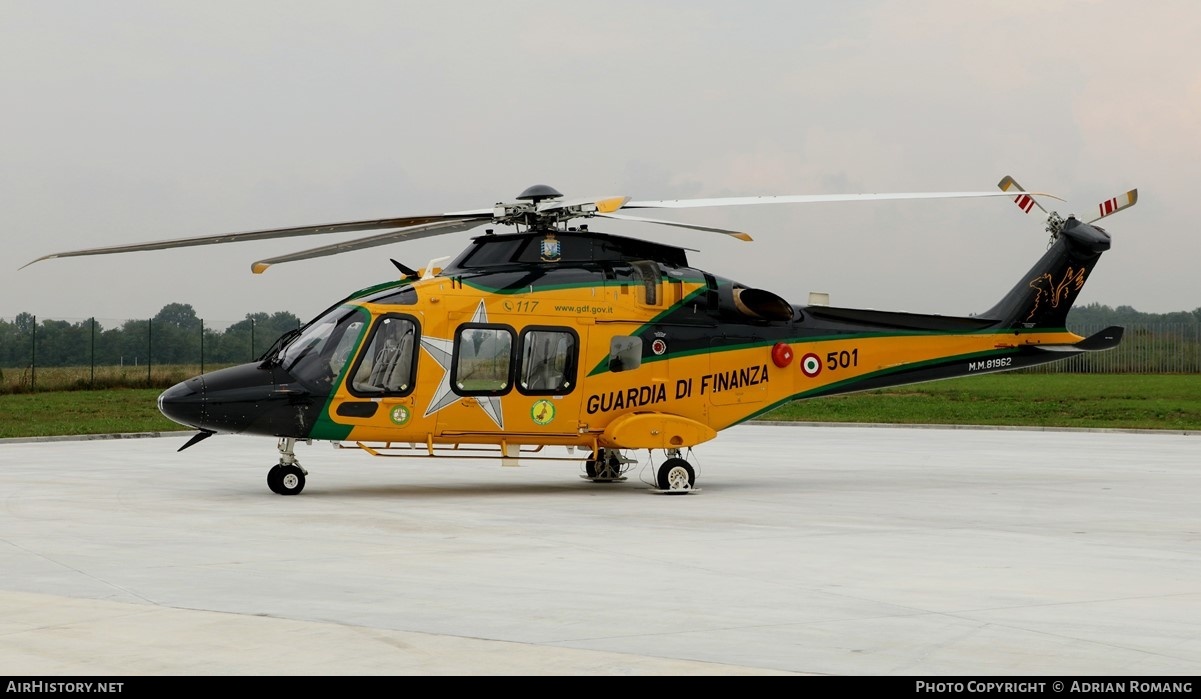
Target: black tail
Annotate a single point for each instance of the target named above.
(1045, 294)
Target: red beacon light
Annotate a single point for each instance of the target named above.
(781, 354)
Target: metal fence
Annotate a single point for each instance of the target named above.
(1147, 348)
(47, 354)
(53, 353)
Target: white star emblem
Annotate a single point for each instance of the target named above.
(441, 351)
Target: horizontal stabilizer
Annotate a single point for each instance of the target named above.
(1106, 339)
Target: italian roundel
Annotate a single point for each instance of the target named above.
(811, 365)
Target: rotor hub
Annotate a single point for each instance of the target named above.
(539, 192)
(541, 208)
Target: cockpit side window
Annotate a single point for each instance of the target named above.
(548, 361)
(388, 364)
(319, 354)
(483, 360)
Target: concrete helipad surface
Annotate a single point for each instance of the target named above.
(828, 550)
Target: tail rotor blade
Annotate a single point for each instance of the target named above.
(1112, 206)
(1024, 201)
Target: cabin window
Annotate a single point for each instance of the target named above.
(548, 361)
(387, 366)
(625, 353)
(483, 360)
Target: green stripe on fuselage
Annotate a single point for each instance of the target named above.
(325, 427)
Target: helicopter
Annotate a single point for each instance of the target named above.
(556, 335)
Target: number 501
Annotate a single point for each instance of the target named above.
(842, 360)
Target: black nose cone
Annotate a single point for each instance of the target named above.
(245, 399)
(184, 403)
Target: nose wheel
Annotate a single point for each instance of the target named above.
(286, 477)
(676, 476)
(285, 480)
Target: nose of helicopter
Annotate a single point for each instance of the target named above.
(184, 402)
(241, 399)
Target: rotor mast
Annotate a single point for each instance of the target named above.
(542, 208)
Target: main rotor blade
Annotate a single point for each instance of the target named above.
(625, 217)
(348, 227)
(604, 205)
(812, 198)
(410, 233)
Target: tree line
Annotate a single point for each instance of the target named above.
(1097, 314)
(175, 335)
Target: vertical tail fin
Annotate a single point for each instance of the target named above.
(1045, 294)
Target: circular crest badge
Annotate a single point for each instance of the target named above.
(658, 346)
(400, 415)
(543, 412)
(811, 365)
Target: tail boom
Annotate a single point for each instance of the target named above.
(1007, 358)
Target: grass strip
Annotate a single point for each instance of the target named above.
(1117, 401)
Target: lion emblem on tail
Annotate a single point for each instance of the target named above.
(1047, 290)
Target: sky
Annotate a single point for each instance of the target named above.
(130, 121)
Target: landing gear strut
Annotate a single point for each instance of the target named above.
(605, 466)
(286, 477)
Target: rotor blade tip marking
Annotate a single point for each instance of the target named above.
(608, 206)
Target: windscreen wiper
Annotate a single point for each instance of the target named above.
(278, 346)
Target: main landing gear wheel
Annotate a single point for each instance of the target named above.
(676, 476)
(285, 480)
(605, 469)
